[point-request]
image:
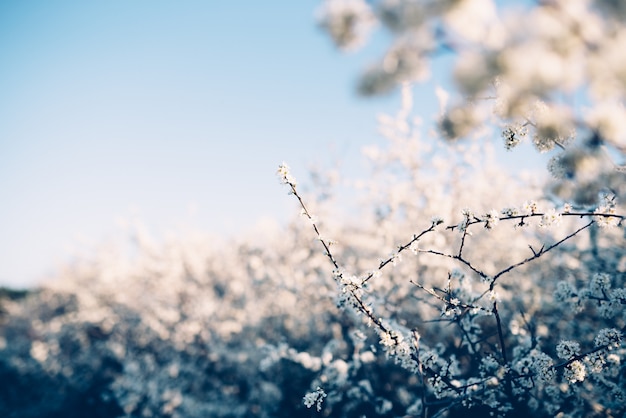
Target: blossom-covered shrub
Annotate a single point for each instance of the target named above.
(510, 311)
(443, 285)
(438, 302)
(497, 306)
(178, 330)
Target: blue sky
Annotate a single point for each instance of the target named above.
(174, 112)
(111, 109)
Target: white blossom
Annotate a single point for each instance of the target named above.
(550, 218)
(543, 366)
(604, 221)
(575, 372)
(600, 283)
(491, 219)
(609, 337)
(315, 398)
(284, 174)
(567, 349)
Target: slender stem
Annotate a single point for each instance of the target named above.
(537, 254)
(500, 332)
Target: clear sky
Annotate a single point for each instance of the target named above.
(173, 111)
(176, 112)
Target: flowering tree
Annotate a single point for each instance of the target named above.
(453, 288)
(529, 311)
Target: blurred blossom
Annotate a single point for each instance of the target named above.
(459, 122)
(609, 120)
(553, 126)
(348, 22)
(475, 71)
(403, 15)
(474, 21)
(405, 61)
(442, 97)
(523, 60)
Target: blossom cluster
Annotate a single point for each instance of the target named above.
(491, 284)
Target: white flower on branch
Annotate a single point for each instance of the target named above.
(513, 134)
(493, 296)
(315, 398)
(542, 364)
(529, 208)
(284, 175)
(567, 349)
(575, 372)
(491, 219)
(609, 337)
(600, 283)
(550, 218)
(604, 218)
(436, 220)
(567, 208)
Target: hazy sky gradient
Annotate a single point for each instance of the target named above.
(176, 112)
